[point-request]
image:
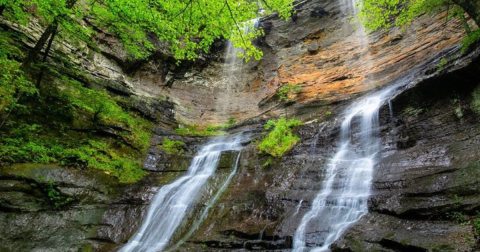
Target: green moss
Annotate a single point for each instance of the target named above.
(389, 235)
(413, 111)
(193, 130)
(172, 146)
(442, 64)
(55, 197)
(280, 139)
(88, 153)
(470, 39)
(101, 109)
(286, 92)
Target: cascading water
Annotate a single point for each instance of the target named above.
(232, 70)
(171, 203)
(346, 188)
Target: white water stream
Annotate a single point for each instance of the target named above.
(173, 201)
(343, 198)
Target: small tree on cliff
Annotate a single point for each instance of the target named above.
(374, 14)
(288, 94)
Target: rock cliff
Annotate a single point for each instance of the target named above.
(425, 187)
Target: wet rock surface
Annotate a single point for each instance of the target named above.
(428, 172)
(425, 189)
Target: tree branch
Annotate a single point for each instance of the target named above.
(236, 24)
(186, 7)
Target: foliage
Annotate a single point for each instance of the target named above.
(13, 83)
(442, 64)
(88, 154)
(105, 111)
(459, 218)
(16, 10)
(268, 162)
(172, 146)
(231, 122)
(285, 93)
(210, 130)
(374, 14)
(470, 39)
(464, 219)
(187, 27)
(55, 197)
(413, 111)
(193, 130)
(280, 139)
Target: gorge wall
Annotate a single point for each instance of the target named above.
(429, 167)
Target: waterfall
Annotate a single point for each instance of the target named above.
(232, 70)
(173, 201)
(343, 198)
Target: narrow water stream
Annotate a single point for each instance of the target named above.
(173, 201)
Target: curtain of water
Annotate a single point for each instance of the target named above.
(232, 69)
(173, 201)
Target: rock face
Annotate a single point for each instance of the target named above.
(318, 48)
(429, 171)
(426, 186)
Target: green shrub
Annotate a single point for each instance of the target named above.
(172, 146)
(285, 92)
(470, 39)
(280, 139)
(442, 64)
(55, 197)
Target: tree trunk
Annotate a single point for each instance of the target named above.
(471, 7)
(45, 56)
(32, 55)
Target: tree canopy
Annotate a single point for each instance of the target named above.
(186, 26)
(376, 14)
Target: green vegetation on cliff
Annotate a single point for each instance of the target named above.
(188, 27)
(375, 14)
(281, 138)
(172, 146)
(64, 121)
(210, 130)
(50, 112)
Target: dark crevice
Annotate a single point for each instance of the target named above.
(102, 240)
(399, 247)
